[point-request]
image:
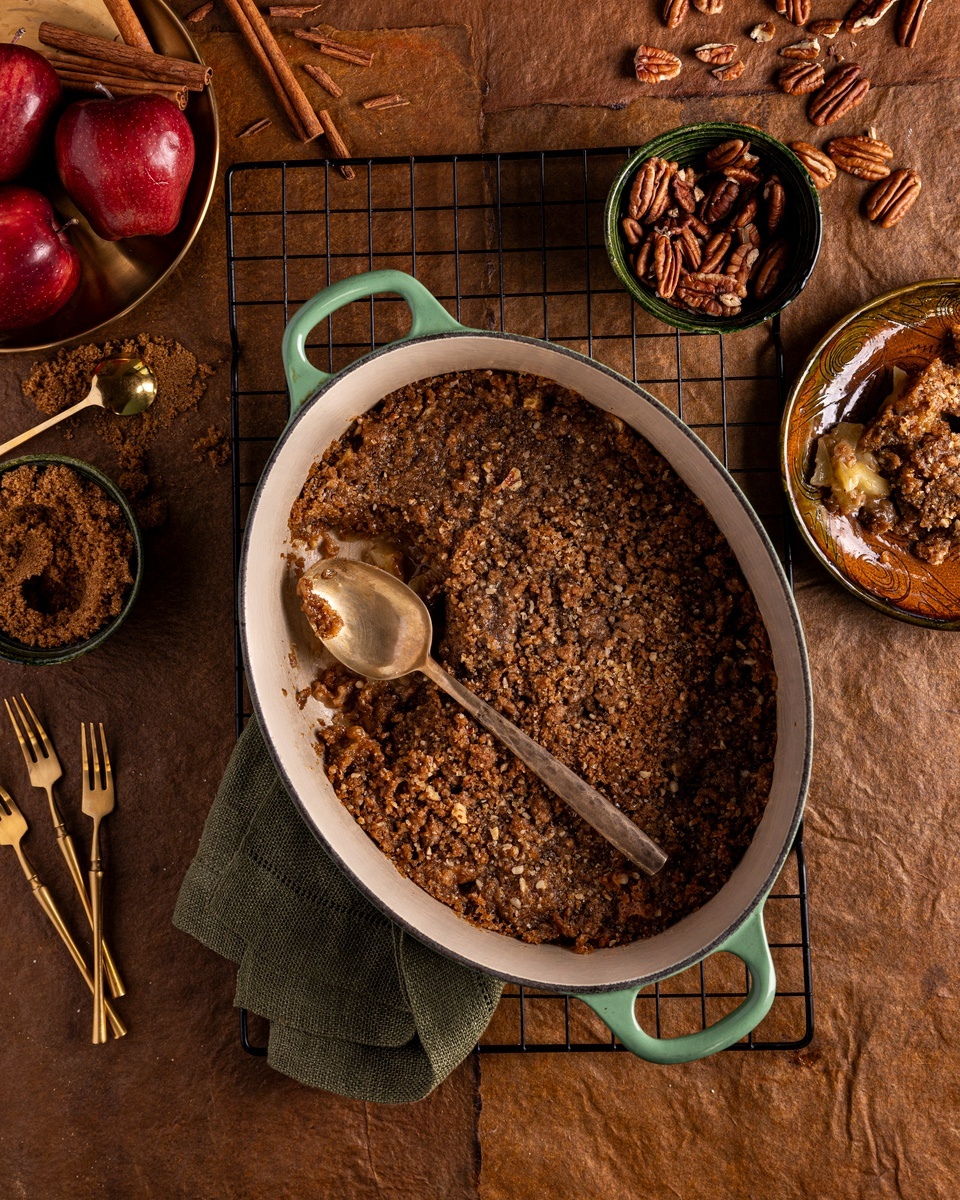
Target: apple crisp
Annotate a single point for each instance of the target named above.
(578, 586)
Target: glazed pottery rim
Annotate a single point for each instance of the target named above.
(42, 656)
(668, 144)
(943, 624)
(212, 167)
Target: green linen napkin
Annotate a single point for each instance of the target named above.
(356, 1006)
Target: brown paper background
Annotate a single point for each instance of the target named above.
(870, 1109)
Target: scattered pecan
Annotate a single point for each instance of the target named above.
(827, 27)
(667, 264)
(819, 165)
(764, 32)
(910, 16)
(865, 157)
(807, 50)
(775, 198)
(718, 53)
(674, 11)
(733, 153)
(845, 88)
(654, 65)
(865, 13)
(728, 74)
(797, 11)
(801, 78)
(769, 268)
(710, 7)
(892, 198)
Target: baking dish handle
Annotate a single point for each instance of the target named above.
(303, 378)
(749, 943)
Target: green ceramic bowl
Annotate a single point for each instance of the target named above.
(17, 652)
(688, 146)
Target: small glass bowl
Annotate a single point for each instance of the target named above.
(688, 146)
(18, 652)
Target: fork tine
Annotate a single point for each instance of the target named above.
(83, 748)
(106, 757)
(27, 729)
(16, 729)
(6, 803)
(95, 756)
(41, 732)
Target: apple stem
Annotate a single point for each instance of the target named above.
(67, 224)
(106, 91)
(17, 36)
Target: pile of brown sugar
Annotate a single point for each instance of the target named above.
(580, 588)
(181, 384)
(64, 556)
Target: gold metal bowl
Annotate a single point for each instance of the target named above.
(115, 276)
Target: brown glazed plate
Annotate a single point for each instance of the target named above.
(846, 378)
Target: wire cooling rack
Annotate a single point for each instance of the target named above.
(512, 242)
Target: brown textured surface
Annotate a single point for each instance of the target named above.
(176, 1109)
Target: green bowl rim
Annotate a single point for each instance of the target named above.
(17, 652)
(664, 144)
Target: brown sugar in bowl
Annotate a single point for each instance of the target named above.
(14, 650)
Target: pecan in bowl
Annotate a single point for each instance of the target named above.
(713, 227)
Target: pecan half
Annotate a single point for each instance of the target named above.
(718, 53)
(775, 198)
(820, 167)
(750, 233)
(865, 157)
(865, 13)
(683, 190)
(827, 27)
(892, 198)
(733, 153)
(674, 11)
(702, 300)
(690, 248)
(719, 201)
(807, 50)
(710, 7)
(763, 32)
(716, 251)
(654, 65)
(910, 16)
(667, 264)
(769, 268)
(728, 74)
(801, 78)
(741, 265)
(797, 11)
(650, 194)
(644, 256)
(845, 88)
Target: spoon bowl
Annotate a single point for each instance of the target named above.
(381, 629)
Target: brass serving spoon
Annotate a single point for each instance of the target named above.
(124, 385)
(375, 625)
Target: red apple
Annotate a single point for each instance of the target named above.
(126, 163)
(29, 91)
(39, 269)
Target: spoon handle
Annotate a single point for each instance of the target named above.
(92, 398)
(595, 809)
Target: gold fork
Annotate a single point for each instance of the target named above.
(97, 802)
(44, 770)
(12, 828)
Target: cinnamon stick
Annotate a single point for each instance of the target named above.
(254, 128)
(292, 10)
(91, 82)
(162, 67)
(337, 144)
(321, 77)
(82, 62)
(276, 68)
(394, 101)
(350, 54)
(126, 22)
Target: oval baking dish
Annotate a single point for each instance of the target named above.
(323, 407)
